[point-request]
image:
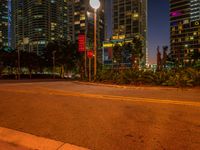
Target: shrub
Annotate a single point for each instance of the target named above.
(179, 78)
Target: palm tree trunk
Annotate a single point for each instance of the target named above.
(30, 73)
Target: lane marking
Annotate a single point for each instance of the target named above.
(109, 97)
(34, 142)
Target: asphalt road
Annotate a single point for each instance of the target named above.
(104, 118)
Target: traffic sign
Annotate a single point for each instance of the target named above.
(90, 54)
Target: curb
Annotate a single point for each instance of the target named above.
(125, 86)
(34, 142)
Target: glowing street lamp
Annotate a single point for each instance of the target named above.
(95, 4)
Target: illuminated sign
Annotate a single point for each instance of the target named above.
(81, 42)
(90, 54)
(175, 14)
(108, 45)
(119, 37)
(112, 44)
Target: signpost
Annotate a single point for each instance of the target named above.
(90, 55)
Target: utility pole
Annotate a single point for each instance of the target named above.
(54, 64)
(18, 62)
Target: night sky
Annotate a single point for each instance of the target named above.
(158, 25)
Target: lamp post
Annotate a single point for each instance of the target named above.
(95, 4)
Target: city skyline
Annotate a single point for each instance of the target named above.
(158, 25)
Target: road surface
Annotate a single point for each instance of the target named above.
(101, 117)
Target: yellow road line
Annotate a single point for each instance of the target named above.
(110, 97)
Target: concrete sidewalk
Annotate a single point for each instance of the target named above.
(10, 146)
(15, 140)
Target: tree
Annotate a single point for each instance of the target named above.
(159, 59)
(126, 52)
(137, 53)
(164, 60)
(1, 61)
(66, 55)
(117, 54)
(30, 60)
(9, 60)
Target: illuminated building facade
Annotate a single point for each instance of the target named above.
(130, 20)
(36, 22)
(185, 31)
(82, 22)
(5, 23)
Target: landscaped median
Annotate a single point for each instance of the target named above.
(186, 77)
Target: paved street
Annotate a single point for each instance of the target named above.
(101, 117)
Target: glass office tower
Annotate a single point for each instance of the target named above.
(5, 23)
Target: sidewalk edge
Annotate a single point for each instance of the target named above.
(34, 142)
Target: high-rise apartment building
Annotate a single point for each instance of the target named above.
(185, 30)
(36, 22)
(5, 23)
(130, 20)
(195, 10)
(81, 21)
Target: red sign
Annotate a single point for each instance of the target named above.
(90, 54)
(81, 42)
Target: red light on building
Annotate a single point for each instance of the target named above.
(90, 54)
(81, 43)
(176, 14)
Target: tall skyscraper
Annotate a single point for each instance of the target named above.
(195, 10)
(37, 22)
(5, 23)
(81, 17)
(130, 20)
(185, 30)
(83, 20)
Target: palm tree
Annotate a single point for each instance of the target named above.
(117, 54)
(136, 52)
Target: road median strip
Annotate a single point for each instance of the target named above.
(34, 142)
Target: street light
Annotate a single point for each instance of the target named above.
(95, 4)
